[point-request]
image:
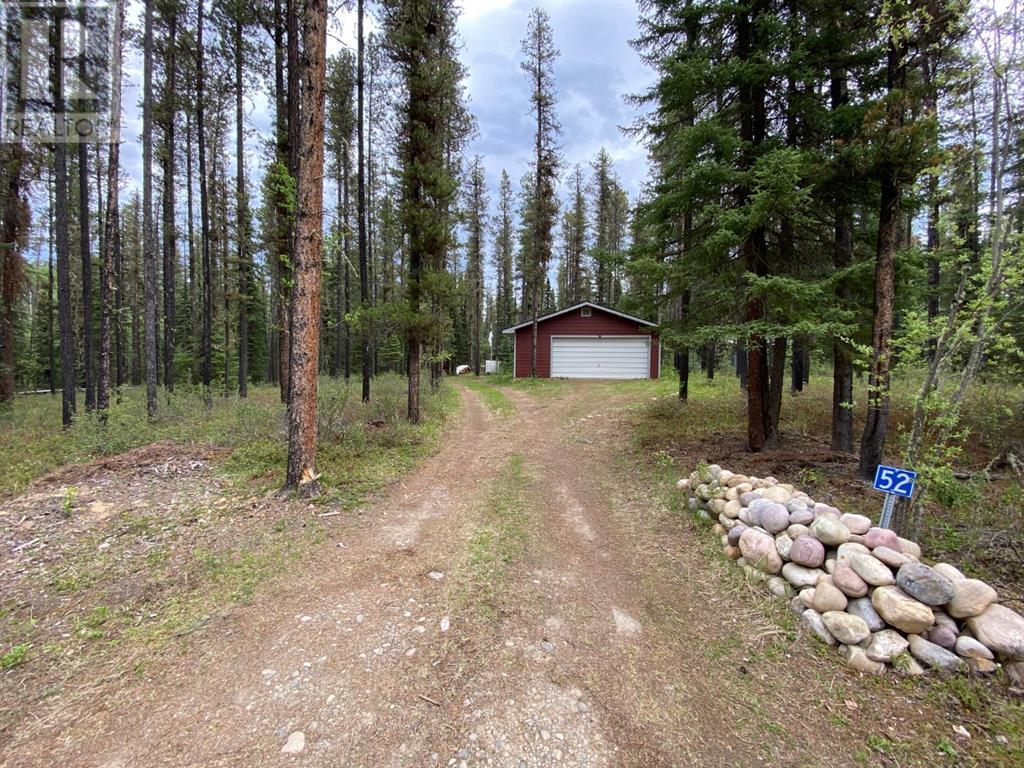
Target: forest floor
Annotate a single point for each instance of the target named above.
(529, 595)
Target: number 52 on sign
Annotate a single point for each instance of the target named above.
(895, 480)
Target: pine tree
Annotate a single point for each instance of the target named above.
(148, 236)
(419, 36)
(112, 237)
(476, 225)
(305, 311)
(539, 54)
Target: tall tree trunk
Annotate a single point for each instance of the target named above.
(242, 204)
(84, 245)
(50, 343)
(15, 221)
(302, 404)
(364, 287)
(842, 257)
(775, 387)
(371, 267)
(291, 147)
(195, 331)
(69, 382)
(170, 244)
(796, 371)
(753, 249)
(149, 276)
(872, 445)
(110, 239)
(225, 273)
(204, 211)
(347, 248)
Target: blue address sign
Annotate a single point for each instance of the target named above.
(895, 480)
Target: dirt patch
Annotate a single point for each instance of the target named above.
(161, 458)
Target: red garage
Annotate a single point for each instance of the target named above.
(587, 341)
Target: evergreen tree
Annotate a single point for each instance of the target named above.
(539, 54)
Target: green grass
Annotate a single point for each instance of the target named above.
(541, 387)
(494, 399)
(15, 656)
(361, 446)
(498, 542)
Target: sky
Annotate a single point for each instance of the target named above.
(595, 71)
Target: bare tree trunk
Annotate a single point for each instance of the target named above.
(110, 239)
(84, 246)
(51, 346)
(872, 445)
(195, 331)
(364, 287)
(302, 403)
(67, 331)
(204, 212)
(347, 246)
(169, 229)
(242, 204)
(775, 387)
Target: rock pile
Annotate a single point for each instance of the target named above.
(857, 586)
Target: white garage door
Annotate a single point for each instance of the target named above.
(600, 357)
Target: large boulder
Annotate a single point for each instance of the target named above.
(969, 648)
(891, 557)
(845, 627)
(784, 544)
(849, 582)
(775, 518)
(872, 570)
(759, 551)
(858, 660)
(886, 645)
(845, 553)
(828, 598)
(881, 537)
(922, 583)
(812, 620)
(807, 551)
(862, 607)
(829, 531)
(901, 610)
(933, 655)
(800, 576)
(1000, 630)
(970, 598)
(951, 572)
(856, 523)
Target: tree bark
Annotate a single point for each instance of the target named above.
(111, 240)
(84, 246)
(242, 223)
(872, 445)
(204, 212)
(50, 344)
(364, 286)
(302, 403)
(69, 382)
(170, 244)
(775, 387)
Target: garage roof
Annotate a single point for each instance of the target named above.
(528, 323)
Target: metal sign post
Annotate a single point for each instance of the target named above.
(893, 482)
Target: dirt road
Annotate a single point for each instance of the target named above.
(523, 598)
